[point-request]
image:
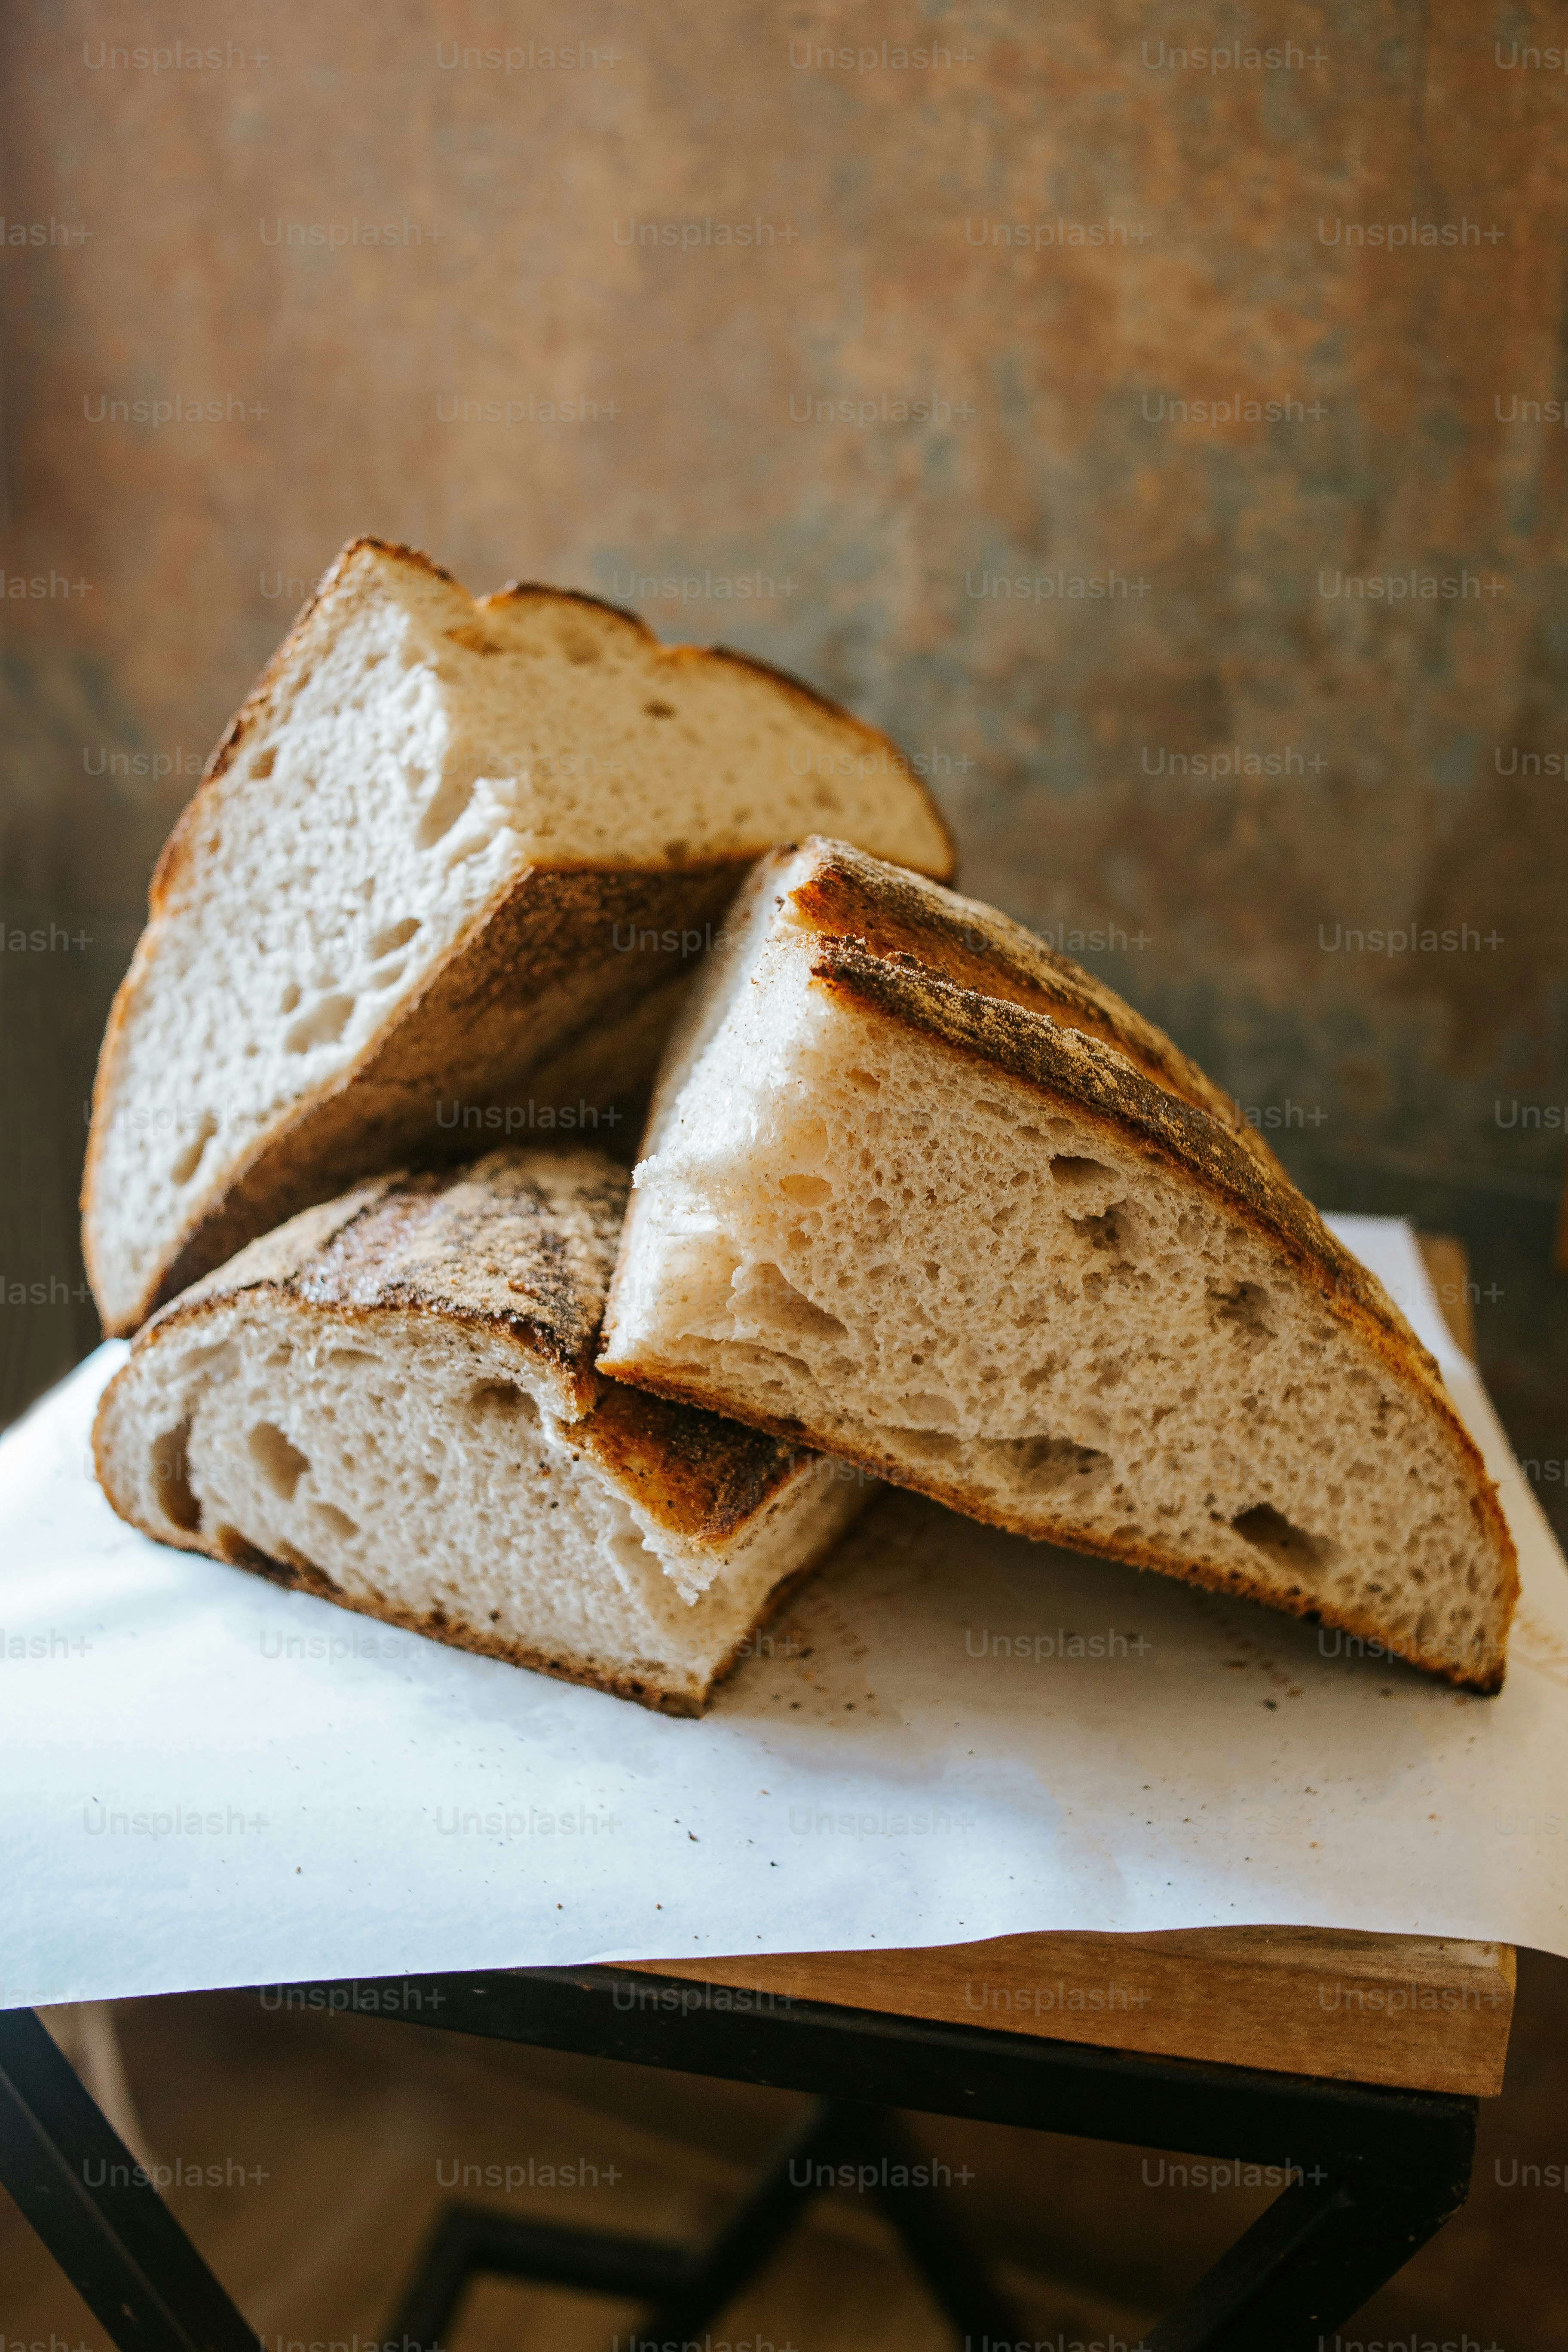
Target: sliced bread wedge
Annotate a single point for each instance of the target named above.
(446, 849)
(391, 1402)
(919, 1192)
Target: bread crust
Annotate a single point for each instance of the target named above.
(848, 896)
(532, 974)
(521, 1247)
(916, 966)
(530, 979)
(974, 1503)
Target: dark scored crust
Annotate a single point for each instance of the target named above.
(1097, 1078)
(695, 1473)
(898, 917)
(521, 1245)
(1100, 1084)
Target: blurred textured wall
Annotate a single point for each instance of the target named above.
(1141, 432)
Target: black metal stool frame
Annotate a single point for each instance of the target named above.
(1374, 2172)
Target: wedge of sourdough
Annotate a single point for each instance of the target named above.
(391, 1402)
(444, 870)
(924, 1194)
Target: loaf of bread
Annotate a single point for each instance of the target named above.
(446, 866)
(919, 1192)
(391, 1402)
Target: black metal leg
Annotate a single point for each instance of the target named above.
(469, 2240)
(933, 2237)
(1379, 2170)
(691, 2289)
(1309, 2262)
(106, 2226)
(755, 2230)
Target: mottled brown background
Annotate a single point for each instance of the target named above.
(196, 539)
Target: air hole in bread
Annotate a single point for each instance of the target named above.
(1050, 1464)
(263, 763)
(445, 806)
(472, 846)
(190, 1158)
(764, 1359)
(340, 1359)
(290, 998)
(1107, 1232)
(281, 1464)
(769, 1296)
(1272, 1533)
(1075, 1175)
(501, 1396)
(929, 1442)
(338, 1521)
(323, 1024)
(659, 709)
(931, 1407)
(810, 1191)
(864, 1082)
(171, 1478)
(1243, 1309)
(397, 935)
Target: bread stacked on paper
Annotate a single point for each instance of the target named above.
(919, 1192)
(391, 1401)
(919, 1198)
(449, 869)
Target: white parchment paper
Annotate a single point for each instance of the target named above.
(952, 1735)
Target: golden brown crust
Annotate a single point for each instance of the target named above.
(848, 896)
(1100, 1086)
(229, 742)
(695, 1473)
(482, 1006)
(301, 1575)
(539, 977)
(976, 1503)
(519, 1246)
(1099, 1080)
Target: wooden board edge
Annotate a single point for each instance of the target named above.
(1384, 2009)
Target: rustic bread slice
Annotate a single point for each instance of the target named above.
(443, 843)
(919, 1192)
(391, 1402)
